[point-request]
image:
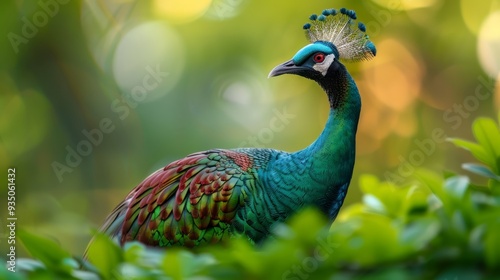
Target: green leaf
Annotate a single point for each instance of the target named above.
(133, 251)
(172, 264)
(420, 232)
(480, 170)
(488, 135)
(459, 224)
(494, 186)
(374, 203)
(434, 183)
(476, 237)
(456, 187)
(182, 264)
(416, 201)
(242, 250)
(368, 248)
(492, 245)
(29, 264)
(105, 255)
(383, 197)
(476, 150)
(310, 218)
(46, 250)
(85, 275)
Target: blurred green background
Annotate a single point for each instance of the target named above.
(152, 81)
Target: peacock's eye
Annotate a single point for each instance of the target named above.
(319, 57)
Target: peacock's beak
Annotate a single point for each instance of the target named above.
(287, 67)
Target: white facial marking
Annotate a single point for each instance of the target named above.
(323, 66)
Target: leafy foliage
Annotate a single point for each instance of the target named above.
(440, 227)
(486, 150)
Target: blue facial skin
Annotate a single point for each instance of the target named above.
(320, 46)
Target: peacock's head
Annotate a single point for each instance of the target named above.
(334, 36)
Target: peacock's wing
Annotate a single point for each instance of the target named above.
(191, 201)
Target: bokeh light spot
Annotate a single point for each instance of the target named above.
(148, 61)
(225, 9)
(391, 85)
(238, 93)
(181, 11)
(396, 80)
(242, 96)
(405, 4)
(24, 122)
(474, 12)
(489, 44)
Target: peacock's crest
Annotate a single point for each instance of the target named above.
(339, 28)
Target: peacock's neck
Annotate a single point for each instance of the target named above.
(332, 154)
(320, 174)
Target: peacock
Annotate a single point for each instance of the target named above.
(210, 196)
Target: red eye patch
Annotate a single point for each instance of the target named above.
(319, 57)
